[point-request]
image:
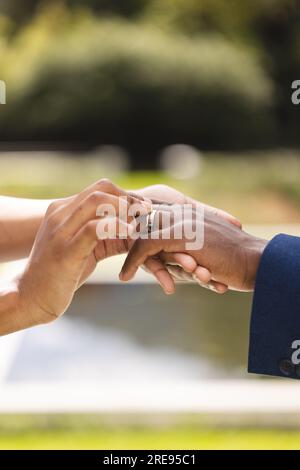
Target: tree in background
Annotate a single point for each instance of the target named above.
(22, 11)
(212, 73)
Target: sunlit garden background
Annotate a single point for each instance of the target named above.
(195, 94)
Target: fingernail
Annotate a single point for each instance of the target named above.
(221, 289)
(166, 291)
(169, 292)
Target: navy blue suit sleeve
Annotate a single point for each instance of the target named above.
(275, 320)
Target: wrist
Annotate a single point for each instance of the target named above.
(27, 305)
(11, 314)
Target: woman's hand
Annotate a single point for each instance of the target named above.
(63, 255)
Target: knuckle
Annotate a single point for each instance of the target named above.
(134, 195)
(90, 229)
(95, 197)
(53, 220)
(53, 206)
(104, 184)
(131, 200)
(79, 208)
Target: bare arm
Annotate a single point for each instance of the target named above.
(20, 220)
(70, 240)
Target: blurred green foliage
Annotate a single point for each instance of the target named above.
(21, 11)
(72, 74)
(146, 73)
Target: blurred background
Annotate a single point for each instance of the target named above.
(195, 94)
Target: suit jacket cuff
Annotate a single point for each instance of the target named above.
(275, 321)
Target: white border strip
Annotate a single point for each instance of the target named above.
(224, 397)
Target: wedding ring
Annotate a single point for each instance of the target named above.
(151, 220)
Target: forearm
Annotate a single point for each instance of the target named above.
(17, 312)
(20, 220)
(11, 318)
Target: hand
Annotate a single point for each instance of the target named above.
(230, 254)
(63, 255)
(160, 194)
(170, 268)
(182, 268)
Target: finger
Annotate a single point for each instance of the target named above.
(104, 186)
(187, 262)
(179, 275)
(225, 215)
(204, 278)
(138, 255)
(107, 186)
(113, 228)
(162, 218)
(143, 248)
(219, 287)
(202, 274)
(95, 204)
(164, 207)
(158, 269)
(215, 286)
(140, 198)
(102, 205)
(85, 241)
(87, 238)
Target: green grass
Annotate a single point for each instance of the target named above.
(129, 432)
(139, 438)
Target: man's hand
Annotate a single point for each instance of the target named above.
(160, 194)
(182, 267)
(231, 255)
